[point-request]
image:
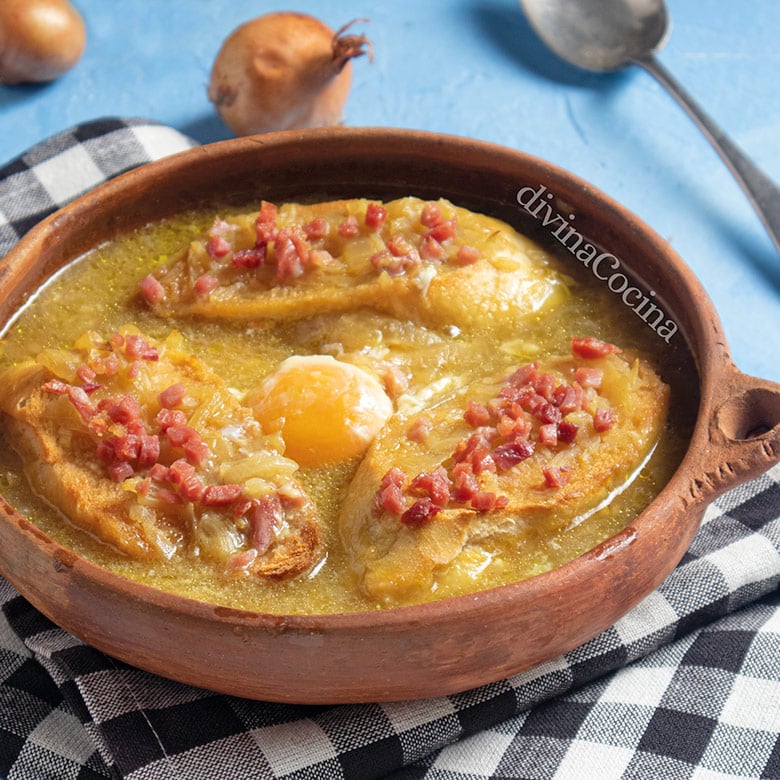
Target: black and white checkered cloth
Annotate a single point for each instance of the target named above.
(687, 685)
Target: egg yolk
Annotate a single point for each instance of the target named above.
(326, 410)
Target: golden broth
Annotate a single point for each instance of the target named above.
(99, 292)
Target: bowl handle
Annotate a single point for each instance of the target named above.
(743, 435)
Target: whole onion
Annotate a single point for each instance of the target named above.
(284, 70)
(39, 39)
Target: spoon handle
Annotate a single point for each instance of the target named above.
(762, 192)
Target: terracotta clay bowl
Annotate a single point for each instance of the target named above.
(410, 652)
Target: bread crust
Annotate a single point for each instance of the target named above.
(147, 517)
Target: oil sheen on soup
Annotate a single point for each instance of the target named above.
(338, 406)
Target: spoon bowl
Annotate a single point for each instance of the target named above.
(577, 32)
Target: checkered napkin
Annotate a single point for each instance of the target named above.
(687, 685)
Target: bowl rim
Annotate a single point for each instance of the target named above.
(641, 555)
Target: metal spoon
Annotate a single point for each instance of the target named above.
(606, 35)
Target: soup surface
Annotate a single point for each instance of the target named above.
(390, 403)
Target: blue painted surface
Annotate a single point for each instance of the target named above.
(475, 68)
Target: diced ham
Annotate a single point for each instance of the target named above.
(349, 228)
(555, 477)
(529, 400)
(179, 471)
(443, 230)
(589, 377)
(159, 472)
(567, 431)
(240, 507)
(80, 400)
(591, 348)
(375, 216)
(430, 214)
(292, 254)
(121, 409)
(221, 495)
(391, 500)
(301, 243)
(293, 499)
(196, 451)
(524, 375)
(476, 414)
(151, 289)
(170, 417)
(106, 366)
(105, 450)
(568, 398)
(264, 516)
(508, 455)
(119, 471)
(184, 476)
(419, 430)
(393, 476)
(144, 487)
(476, 443)
(381, 260)
(91, 387)
(172, 396)
(476, 452)
(204, 285)
(548, 435)
(435, 486)
(138, 348)
(399, 245)
(547, 413)
(603, 420)
(385, 261)
(394, 380)
(250, 258)
(188, 439)
(218, 246)
(137, 427)
(126, 448)
(86, 374)
(396, 262)
(318, 228)
(265, 224)
(545, 385)
(485, 501)
(513, 427)
(430, 248)
(467, 255)
(55, 386)
(220, 228)
(420, 512)
(465, 484)
(390, 496)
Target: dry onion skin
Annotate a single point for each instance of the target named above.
(284, 71)
(39, 40)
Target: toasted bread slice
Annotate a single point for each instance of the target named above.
(504, 461)
(466, 270)
(140, 444)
